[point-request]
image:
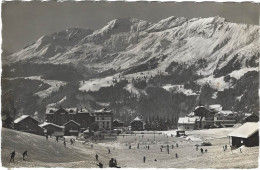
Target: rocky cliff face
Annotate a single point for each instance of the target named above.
(191, 60)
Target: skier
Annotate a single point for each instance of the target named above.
(100, 165)
(148, 147)
(96, 157)
(144, 159)
(168, 150)
(64, 143)
(109, 151)
(161, 149)
(12, 156)
(206, 150)
(46, 136)
(57, 138)
(176, 155)
(201, 150)
(25, 154)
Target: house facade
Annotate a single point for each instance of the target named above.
(28, 124)
(71, 128)
(226, 117)
(117, 123)
(53, 129)
(137, 124)
(81, 116)
(104, 118)
(247, 134)
(251, 118)
(208, 114)
(190, 123)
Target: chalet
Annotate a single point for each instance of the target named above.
(28, 124)
(137, 124)
(60, 116)
(247, 134)
(52, 129)
(190, 123)
(117, 123)
(226, 118)
(72, 128)
(250, 118)
(208, 114)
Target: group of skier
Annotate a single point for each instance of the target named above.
(13, 155)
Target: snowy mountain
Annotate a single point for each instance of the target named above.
(174, 51)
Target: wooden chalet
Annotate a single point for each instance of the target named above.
(72, 128)
(52, 129)
(251, 118)
(137, 124)
(117, 123)
(28, 124)
(247, 134)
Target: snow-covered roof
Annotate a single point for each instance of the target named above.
(72, 110)
(83, 110)
(22, 118)
(215, 107)
(73, 122)
(46, 124)
(69, 110)
(51, 110)
(104, 110)
(187, 120)
(226, 113)
(248, 114)
(246, 130)
(137, 119)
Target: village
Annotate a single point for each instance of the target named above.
(207, 130)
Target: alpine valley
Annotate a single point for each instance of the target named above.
(135, 67)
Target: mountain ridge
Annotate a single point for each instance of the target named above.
(173, 60)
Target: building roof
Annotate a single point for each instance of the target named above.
(226, 113)
(246, 130)
(52, 124)
(73, 122)
(104, 110)
(83, 110)
(137, 119)
(215, 107)
(248, 114)
(18, 120)
(68, 110)
(187, 120)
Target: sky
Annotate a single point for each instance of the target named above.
(25, 22)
